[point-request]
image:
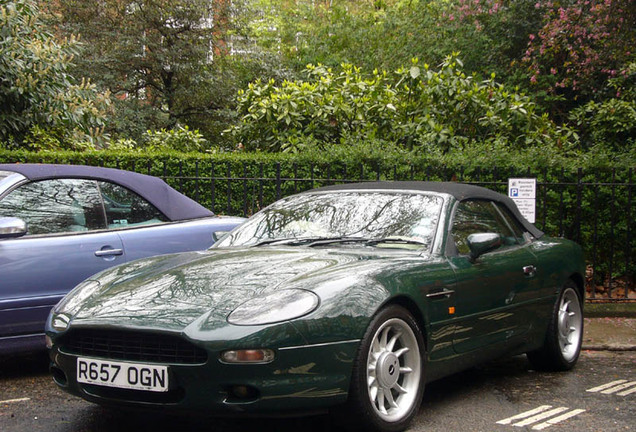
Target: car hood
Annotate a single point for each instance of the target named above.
(200, 289)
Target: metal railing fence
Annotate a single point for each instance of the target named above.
(595, 209)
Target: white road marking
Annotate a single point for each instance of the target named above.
(524, 415)
(616, 387)
(606, 386)
(541, 416)
(15, 400)
(619, 388)
(545, 414)
(627, 392)
(558, 419)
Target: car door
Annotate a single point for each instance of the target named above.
(145, 231)
(66, 242)
(491, 291)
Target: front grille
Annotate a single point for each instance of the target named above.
(133, 346)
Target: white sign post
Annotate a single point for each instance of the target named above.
(523, 192)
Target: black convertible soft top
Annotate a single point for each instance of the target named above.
(170, 202)
(458, 190)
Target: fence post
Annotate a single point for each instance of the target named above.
(244, 189)
(196, 180)
(278, 181)
(628, 243)
(579, 205)
(212, 187)
(260, 186)
(561, 204)
(611, 239)
(229, 187)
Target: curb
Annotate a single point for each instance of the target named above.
(608, 348)
(609, 310)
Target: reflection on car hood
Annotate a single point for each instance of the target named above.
(172, 292)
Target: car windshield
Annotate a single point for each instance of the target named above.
(343, 217)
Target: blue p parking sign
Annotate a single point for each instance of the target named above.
(523, 192)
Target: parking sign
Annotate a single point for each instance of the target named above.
(523, 192)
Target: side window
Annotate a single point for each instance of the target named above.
(56, 206)
(517, 230)
(126, 208)
(478, 216)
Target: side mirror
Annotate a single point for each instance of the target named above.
(218, 235)
(482, 243)
(12, 227)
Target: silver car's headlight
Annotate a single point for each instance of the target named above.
(280, 306)
(70, 304)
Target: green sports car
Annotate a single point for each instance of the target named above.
(345, 298)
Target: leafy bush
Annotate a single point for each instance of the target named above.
(610, 124)
(180, 139)
(36, 87)
(415, 107)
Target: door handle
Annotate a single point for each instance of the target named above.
(529, 270)
(109, 252)
(443, 293)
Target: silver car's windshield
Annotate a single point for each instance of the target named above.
(326, 218)
(8, 179)
(4, 174)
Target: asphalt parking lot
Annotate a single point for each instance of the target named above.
(505, 395)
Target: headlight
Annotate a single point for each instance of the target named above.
(276, 307)
(60, 321)
(71, 303)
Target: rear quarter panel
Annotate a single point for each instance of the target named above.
(558, 260)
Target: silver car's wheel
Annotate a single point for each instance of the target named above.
(393, 370)
(387, 380)
(570, 324)
(562, 345)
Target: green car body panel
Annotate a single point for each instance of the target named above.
(469, 311)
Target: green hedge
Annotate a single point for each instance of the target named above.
(593, 205)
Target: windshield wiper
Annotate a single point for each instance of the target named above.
(320, 241)
(331, 240)
(310, 241)
(275, 241)
(396, 240)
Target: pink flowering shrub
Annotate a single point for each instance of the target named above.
(581, 44)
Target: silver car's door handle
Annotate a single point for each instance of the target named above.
(443, 293)
(529, 270)
(109, 252)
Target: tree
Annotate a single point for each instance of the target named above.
(37, 91)
(156, 56)
(581, 45)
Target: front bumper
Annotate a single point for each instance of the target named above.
(300, 378)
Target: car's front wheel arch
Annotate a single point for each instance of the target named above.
(579, 281)
(410, 305)
(388, 375)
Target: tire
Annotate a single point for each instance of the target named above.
(387, 381)
(564, 337)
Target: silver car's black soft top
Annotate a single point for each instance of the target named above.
(460, 191)
(167, 200)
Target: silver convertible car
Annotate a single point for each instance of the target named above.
(59, 224)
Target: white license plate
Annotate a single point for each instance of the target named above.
(134, 376)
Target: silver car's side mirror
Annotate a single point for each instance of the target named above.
(12, 227)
